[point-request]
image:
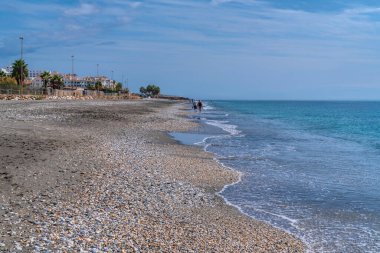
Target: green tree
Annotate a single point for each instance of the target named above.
(150, 91)
(153, 90)
(143, 91)
(98, 85)
(20, 71)
(118, 87)
(91, 87)
(45, 76)
(56, 82)
(2, 74)
(108, 90)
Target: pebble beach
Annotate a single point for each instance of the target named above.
(104, 176)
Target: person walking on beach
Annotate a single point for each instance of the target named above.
(194, 106)
(200, 105)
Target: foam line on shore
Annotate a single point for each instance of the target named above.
(240, 176)
(232, 131)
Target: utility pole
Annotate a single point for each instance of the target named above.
(72, 70)
(97, 70)
(21, 65)
(112, 83)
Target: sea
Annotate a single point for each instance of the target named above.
(311, 168)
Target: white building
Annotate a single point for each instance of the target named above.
(35, 73)
(90, 80)
(34, 76)
(74, 81)
(7, 70)
(37, 83)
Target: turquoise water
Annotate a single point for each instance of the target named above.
(311, 168)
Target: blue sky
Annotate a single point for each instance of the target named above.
(217, 49)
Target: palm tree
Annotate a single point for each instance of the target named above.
(20, 71)
(56, 82)
(98, 85)
(45, 78)
(119, 86)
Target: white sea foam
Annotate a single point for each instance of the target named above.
(291, 148)
(292, 222)
(234, 132)
(229, 128)
(208, 107)
(203, 142)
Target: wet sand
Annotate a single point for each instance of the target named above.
(103, 176)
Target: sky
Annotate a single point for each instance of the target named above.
(207, 49)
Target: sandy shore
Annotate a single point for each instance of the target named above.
(103, 176)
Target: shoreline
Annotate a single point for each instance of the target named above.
(232, 169)
(113, 179)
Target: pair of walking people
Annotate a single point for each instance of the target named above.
(198, 105)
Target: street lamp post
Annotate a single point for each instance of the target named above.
(122, 82)
(112, 83)
(21, 65)
(72, 70)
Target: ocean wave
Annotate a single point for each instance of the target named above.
(210, 142)
(290, 221)
(229, 128)
(208, 107)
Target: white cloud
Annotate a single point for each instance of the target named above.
(73, 27)
(125, 20)
(362, 10)
(218, 2)
(83, 10)
(135, 4)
